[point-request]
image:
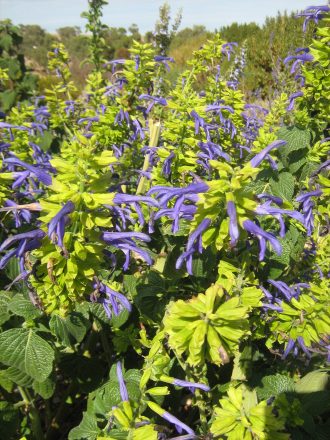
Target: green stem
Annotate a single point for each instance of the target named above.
(33, 413)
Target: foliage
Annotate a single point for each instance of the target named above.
(18, 84)
(165, 248)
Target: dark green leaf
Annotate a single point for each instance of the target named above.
(70, 329)
(25, 350)
(23, 307)
(86, 430)
(274, 385)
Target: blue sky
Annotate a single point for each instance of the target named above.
(53, 14)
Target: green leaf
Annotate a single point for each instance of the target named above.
(4, 300)
(9, 420)
(19, 377)
(119, 320)
(109, 394)
(25, 350)
(296, 139)
(23, 307)
(45, 389)
(70, 329)
(86, 430)
(274, 385)
(283, 186)
(312, 382)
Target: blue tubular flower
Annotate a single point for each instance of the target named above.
(294, 345)
(121, 198)
(39, 174)
(287, 291)
(308, 205)
(228, 49)
(298, 59)
(180, 426)
(124, 242)
(113, 302)
(122, 116)
(153, 100)
(199, 121)
(166, 193)
(258, 158)
(164, 60)
(35, 234)
(194, 244)
(167, 164)
(274, 199)
(122, 385)
(191, 385)
(267, 209)
(292, 99)
(233, 226)
(57, 224)
(263, 237)
(19, 215)
(28, 241)
(314, 13)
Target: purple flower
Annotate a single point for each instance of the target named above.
(191, 385)
(233, 226)
(298, 59)
(166, 193)
(292, 99)
(57, 224)
(308, 205)
(19, 215)
(113, 302)
(180, 426)
(153, 100)
(274, 199)
(267, 209)
(27, 242)
(228, 49)
(314, 13)
(122, 116)
(194, 244)
(122, 385)
(294, 345)
(263, 237)
(124, 241)
(258, 158)
(41, 175)
(199, 121)
(167, 164)
(128, 198)
(164, 60)
(283, 288)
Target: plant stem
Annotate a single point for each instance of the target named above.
(33, 413)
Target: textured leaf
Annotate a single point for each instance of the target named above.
(296, 139)
(274, 385)
(23, 307)
(70, 329)
(4, 299)
(19, 377)
(45, 388)
(283, 186)
(27, 351)
(86, 430)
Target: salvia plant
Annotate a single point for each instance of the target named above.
(165, 250)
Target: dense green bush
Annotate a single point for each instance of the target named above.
(165, 258)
